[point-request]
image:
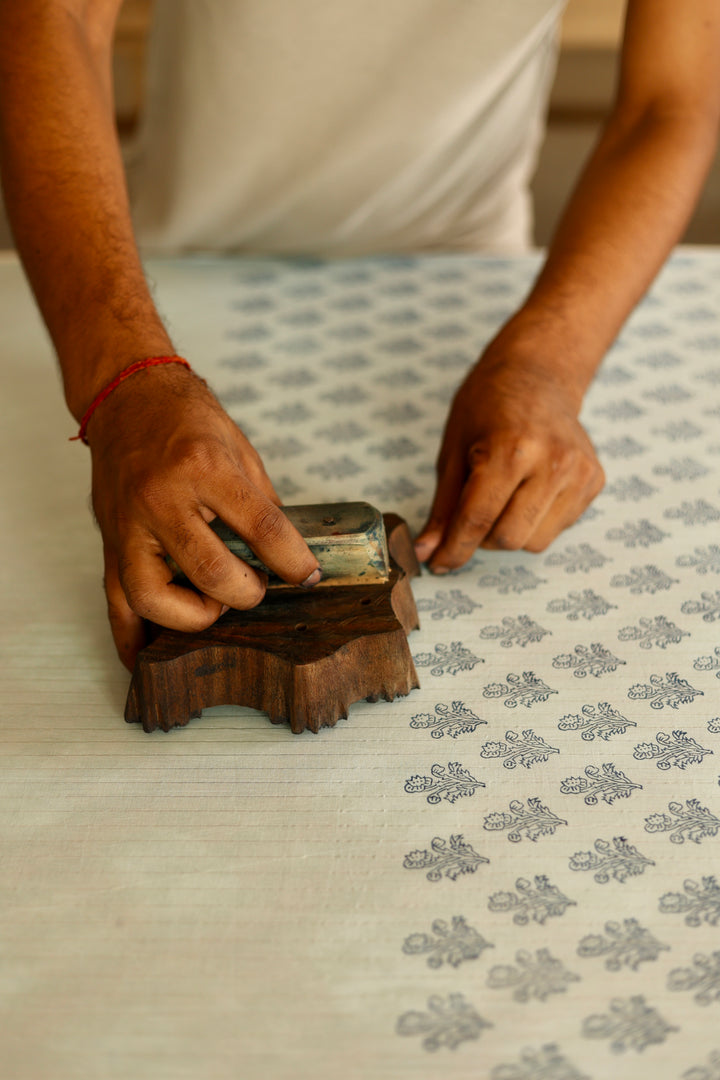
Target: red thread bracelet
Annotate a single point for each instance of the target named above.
(139, 365)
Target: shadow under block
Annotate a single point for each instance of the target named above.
(302, 657)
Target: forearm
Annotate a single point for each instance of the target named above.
(66, 196)
(630, 207)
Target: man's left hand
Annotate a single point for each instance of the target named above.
(515, 468)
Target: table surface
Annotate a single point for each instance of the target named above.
(513, 872)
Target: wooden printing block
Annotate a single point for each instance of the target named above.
(302, 657)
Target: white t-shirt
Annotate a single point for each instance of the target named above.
(342, 127)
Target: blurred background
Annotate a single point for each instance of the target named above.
(581, 97)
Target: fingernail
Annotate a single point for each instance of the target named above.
(422, 549)
(439, 570)
(224, 608)
(311, 579)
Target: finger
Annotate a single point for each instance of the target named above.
(482, 500)
(127, 628)
(451, 476)
(146, 582)
(530, 504)
(209, 564)
(564, 512)
(265, 528)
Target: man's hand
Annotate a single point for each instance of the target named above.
(166, 460)
(515, 467)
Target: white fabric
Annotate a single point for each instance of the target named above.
(304, 126)
(232, 902)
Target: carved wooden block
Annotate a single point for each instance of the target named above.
(302, 657)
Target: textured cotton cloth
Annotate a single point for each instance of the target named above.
(513, 873)
(358, 126)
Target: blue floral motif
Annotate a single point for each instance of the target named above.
(526, 689)
(538, 900)
(395, 448)
(703, 561)
(699, 902)
(336, 468)
(451, 944)
(448, 605)
(244, 361)
(347, 361)
(711, 1071)
(294, 413)
(448, 659)
(447, 1023)
(619, 860)
(630, 1024)
(446, 301)
(662, 359)
(668, 395)
(630, 488)
(451, 783)
(296, 378)
(286, 487)
(284, 447)
(253, 332)
(520, 630)
(703, 976)
(531, 821)
(679, 431)
(401, 413)
(653, 631)
(708, 606)
(453, 720)
(606, 782)
(240, 394)
(400, 316)
(709, 663)
(623, 409)
(346, 395)
(547, 1063)
(342, 432)
(601, 721)
(677, 749)
(526, 749)
(644, 579)
(449, 359)
(708, 342)
(671, 690)
(393, 490)
(637, 534)
(622, 447)
(613, 376)
(516, 579)
(249, 305)
(533, 977)
(350, 302)
(593, 660)
(580, 558)
(699, 512)
(586, 604)
(681, 469)
(449, 858)
(402, 346)
(349, 331)
(690, 822)
(625, 944)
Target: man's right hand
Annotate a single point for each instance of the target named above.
(167, 460)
